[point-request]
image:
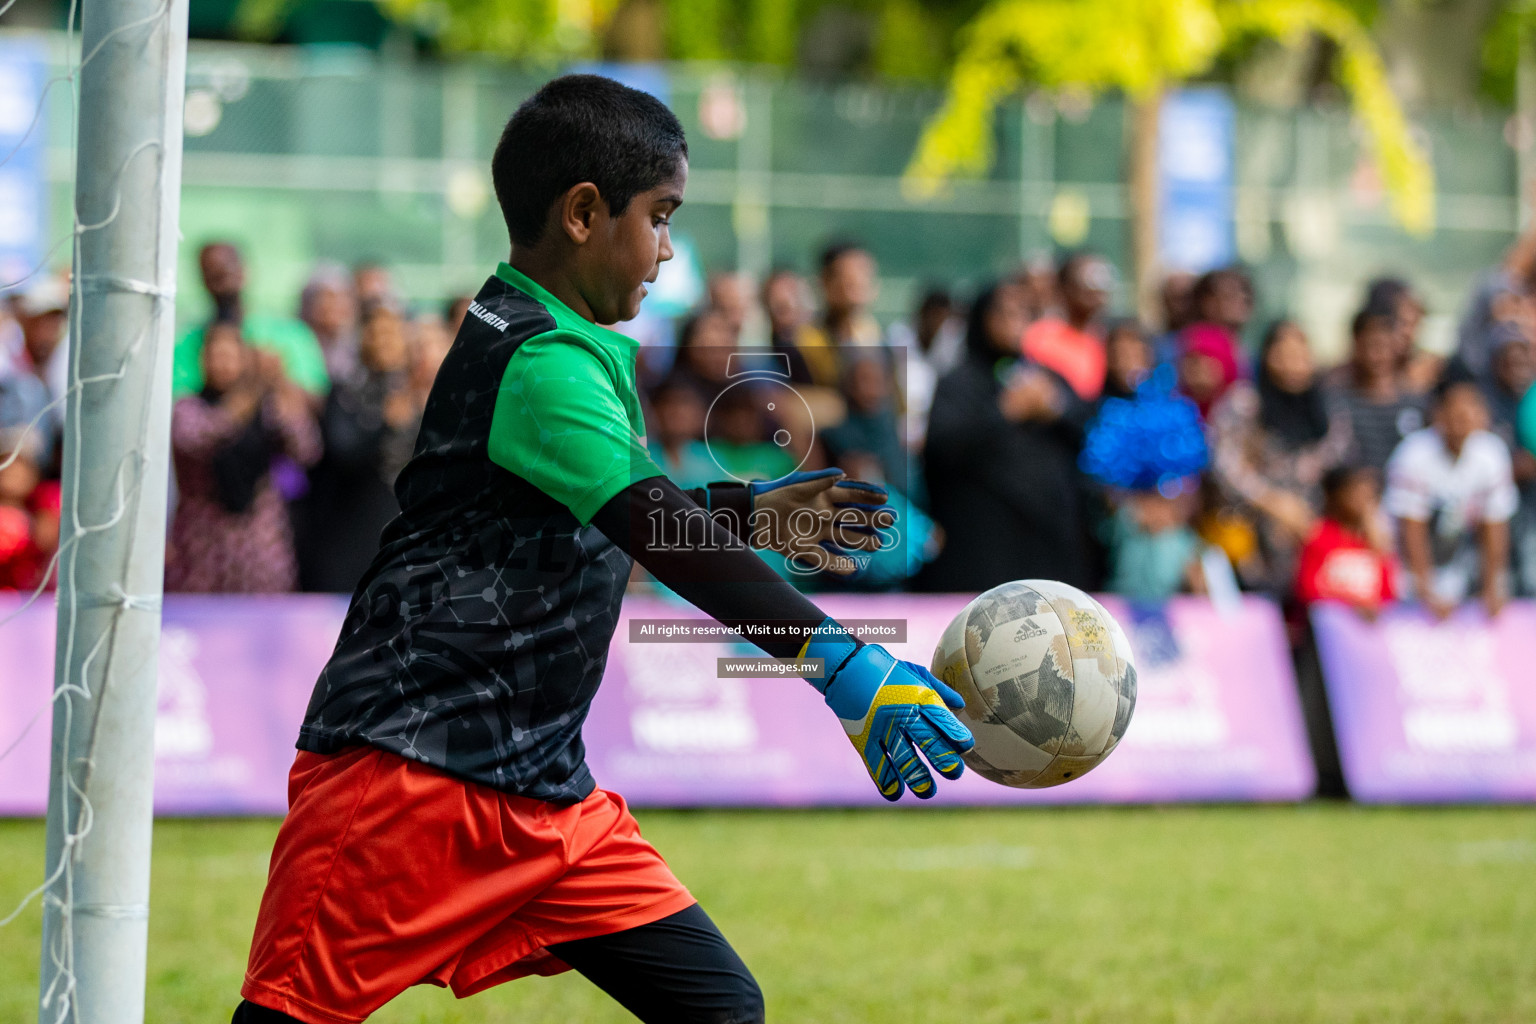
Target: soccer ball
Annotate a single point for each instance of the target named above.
(1047, 678)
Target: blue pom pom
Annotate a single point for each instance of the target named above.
(1154, 440)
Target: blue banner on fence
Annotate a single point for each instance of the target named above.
(1194, 162)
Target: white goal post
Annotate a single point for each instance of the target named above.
(112, 525)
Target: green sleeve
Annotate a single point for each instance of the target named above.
(562, 424)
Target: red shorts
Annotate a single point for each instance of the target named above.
(388, 874)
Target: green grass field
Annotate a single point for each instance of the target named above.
(1229, 914)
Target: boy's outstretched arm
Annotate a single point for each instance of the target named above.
(891, 709)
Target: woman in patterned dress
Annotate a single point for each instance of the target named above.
(1273, 441)
(231, 532)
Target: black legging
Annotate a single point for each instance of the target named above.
(679, 970)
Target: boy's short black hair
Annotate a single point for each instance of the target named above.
(582, 128)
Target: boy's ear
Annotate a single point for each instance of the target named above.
(578, 209)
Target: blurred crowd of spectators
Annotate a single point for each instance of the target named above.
(1398, 474)
(286, 432)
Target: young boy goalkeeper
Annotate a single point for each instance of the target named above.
(443, 827)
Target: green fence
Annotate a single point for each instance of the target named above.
(343, 154)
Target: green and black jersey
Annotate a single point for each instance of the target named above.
(477, 638)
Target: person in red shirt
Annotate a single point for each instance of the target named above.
(1349, 558)
(1073, 344)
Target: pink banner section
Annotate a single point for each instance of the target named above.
(1428, 712)
(1216, 718)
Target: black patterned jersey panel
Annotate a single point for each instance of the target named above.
(477, 638)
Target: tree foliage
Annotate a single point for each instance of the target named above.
(1142, 47)
(910, 39)
(545, 29)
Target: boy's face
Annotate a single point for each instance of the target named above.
(627, 251)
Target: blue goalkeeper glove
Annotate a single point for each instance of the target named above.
(890, 710)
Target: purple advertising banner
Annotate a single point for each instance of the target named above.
(1433, 712)
(235, 677)
(1216, 716)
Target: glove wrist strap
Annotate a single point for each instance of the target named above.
(834, 645)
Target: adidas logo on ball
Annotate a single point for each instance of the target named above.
(1028, 630)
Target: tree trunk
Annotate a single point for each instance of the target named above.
(1146, 113)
